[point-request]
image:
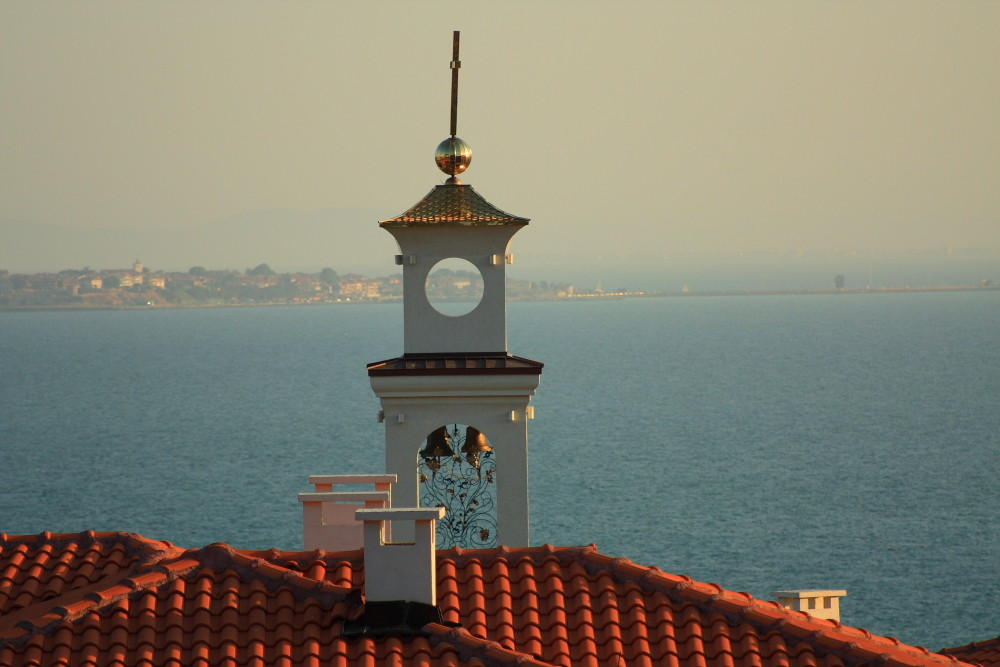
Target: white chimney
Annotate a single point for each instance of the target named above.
(400, 571)
(817, 603)
(328, 516)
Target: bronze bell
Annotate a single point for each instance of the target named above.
(475, 444)
(438, 444)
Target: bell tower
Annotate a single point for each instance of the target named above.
(456, 404)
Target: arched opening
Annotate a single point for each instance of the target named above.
(457, 470)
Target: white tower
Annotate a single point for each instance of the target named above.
(456, 404)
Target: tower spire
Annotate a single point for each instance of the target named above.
(456, 64)
(453, 155)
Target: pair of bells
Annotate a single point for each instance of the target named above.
(439, 445)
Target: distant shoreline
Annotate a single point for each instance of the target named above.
(589, 296)
(778, 292)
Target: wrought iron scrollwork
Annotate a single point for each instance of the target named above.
(458, 472)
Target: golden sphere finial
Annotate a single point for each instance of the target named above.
(453, 156)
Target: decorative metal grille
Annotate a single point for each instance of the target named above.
(457, 471)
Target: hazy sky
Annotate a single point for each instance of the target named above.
(615, 126)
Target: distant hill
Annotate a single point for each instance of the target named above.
(349, 240)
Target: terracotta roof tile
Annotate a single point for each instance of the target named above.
(124, 600)
(985, 653)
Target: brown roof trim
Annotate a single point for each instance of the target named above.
(456, 364)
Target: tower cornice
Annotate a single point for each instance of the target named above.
(456, 364)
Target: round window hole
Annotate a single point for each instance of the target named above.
(454, 287)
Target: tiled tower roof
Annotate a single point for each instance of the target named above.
(454, 204)
(117, 599)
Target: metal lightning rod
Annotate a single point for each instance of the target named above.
(453, 155)
(456, 64)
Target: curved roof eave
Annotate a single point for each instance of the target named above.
(453, 204)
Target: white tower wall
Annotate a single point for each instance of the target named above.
(414, 406)
(425, 330)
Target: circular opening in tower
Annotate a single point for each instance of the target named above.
(454, 287)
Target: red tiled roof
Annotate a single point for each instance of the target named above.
(119, 599)
(985, 653)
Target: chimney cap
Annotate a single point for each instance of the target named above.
(400, 514)
(343, 496)
(352, 479)
(809, 593)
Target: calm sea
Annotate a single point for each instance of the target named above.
(764, 443)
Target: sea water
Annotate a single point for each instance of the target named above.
(765, 443)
